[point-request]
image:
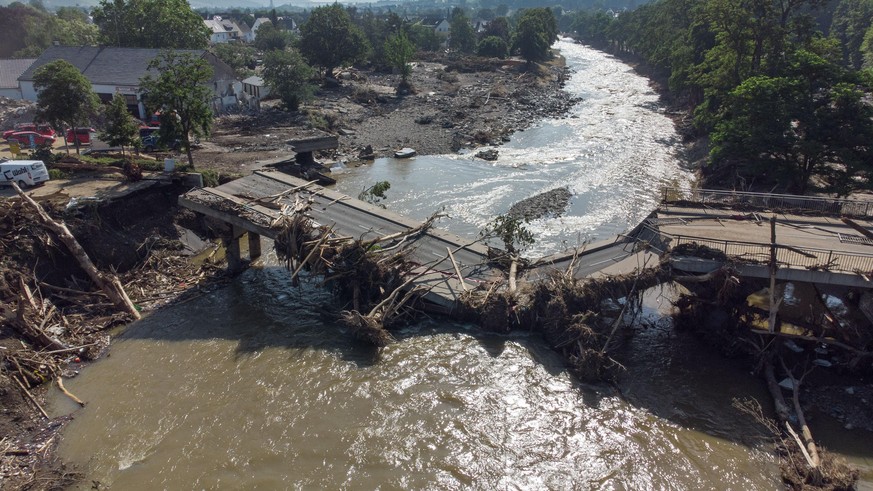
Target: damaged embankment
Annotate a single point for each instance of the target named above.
(68, 277)
(717, 307)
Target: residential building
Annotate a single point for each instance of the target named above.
(257, 24)
(10, 70)
(223, 30)
(119, 70)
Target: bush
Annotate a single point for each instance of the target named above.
(45, 154)
(493, 47)
(132, 171)
(58, 174)
(323, 121)
(211, 178)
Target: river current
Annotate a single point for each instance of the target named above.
(249, 387)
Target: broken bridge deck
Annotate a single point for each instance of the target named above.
(236, 203)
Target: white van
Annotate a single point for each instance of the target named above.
(23, 172)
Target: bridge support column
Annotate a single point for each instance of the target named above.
(254, 246)
(232, 249)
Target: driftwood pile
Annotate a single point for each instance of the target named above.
(784, 361)
(55, 309)
(577, 317)
(375, 273)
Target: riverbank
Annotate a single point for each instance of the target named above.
(457, 103)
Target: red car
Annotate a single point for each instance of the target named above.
(42, 129)
(31, 139)
(81, 134)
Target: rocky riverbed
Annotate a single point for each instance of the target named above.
(456, 104)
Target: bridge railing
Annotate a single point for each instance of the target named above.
(781, 202)
(801, 257)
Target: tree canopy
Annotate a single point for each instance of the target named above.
(330, 40)
(180, 92)
(780, 102)
(27, 32)
(537, 30)
(240, 57)
(399, 51)
(121, 128)
(269, 37)
(288, 76)
(163, 24)
(64, 97)
(462, 37)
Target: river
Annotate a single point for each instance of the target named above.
(249, 387)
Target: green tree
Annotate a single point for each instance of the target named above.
(181, 90)
(121, 128)
(424, 38)
(330, 40)
(288, 77)
(852, 19)
(42, 32)
(809, 121)
(240, 57)
(462, 37)
(375, 193)
(399, 51)
(867, 48)
(499, 27)
(377, 29)
(163, 24)
(72, 14)
(537, 30)
(64, 97)
(270, 38)
(516, 237)
(14, 21)
(493, 47)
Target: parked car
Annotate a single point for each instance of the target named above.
(145, 131)
(81, 134)
(42, 129)
(31, 139)
(151, 143)
(25, 173)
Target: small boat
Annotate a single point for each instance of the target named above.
(404, 153)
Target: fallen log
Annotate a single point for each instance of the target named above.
(67, 393)
(108, 283)
(29, 396)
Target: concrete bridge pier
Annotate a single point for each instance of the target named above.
(232, 241)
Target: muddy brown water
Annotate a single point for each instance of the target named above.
(248, 387)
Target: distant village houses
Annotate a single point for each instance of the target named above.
(223, 30)
(118, 71)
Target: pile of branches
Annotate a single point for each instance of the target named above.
(570, 313)
(374, 274)
(777, 356)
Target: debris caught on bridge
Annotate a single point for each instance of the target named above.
(373, 273)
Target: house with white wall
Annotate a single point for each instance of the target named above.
(255, 25)
(118, 71)
(10, 70)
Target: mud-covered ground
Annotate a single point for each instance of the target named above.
(456, 104)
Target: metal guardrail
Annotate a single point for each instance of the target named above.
(803, 257)
(782, 202)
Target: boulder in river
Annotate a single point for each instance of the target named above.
(549, 203)
(490, 154)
